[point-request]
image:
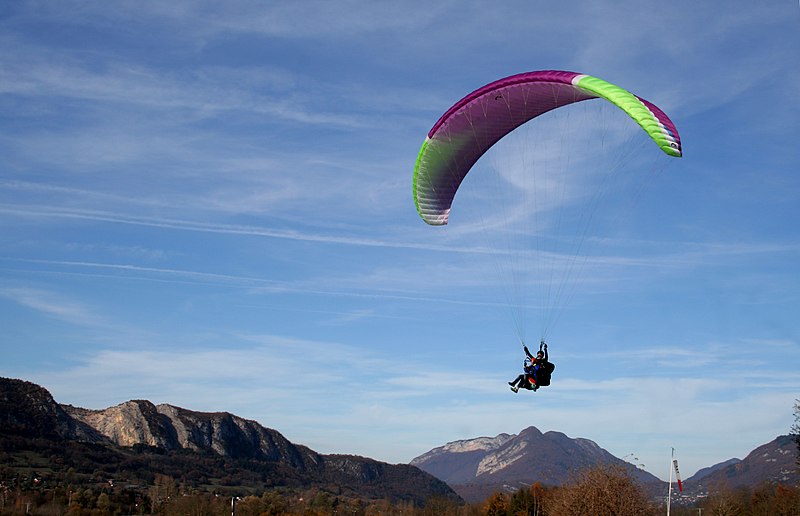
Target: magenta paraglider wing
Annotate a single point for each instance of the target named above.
(479, 120)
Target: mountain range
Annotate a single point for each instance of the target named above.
(475, 468)
(135, 440)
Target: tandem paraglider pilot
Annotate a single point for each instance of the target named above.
(536, 370)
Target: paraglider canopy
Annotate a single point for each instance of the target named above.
(479, 120)
(543, 198)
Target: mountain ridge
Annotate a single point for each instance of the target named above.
(136, 439)
(775, 462)
(475, 468)
(172, 428)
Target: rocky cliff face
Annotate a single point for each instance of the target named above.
(458, 462)
(232, 436)
(171, 428)
(479, 444)
(128, 424)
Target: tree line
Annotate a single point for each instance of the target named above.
(604, 490)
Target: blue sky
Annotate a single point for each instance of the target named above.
(209, 205)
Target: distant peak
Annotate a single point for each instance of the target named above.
(478, 444)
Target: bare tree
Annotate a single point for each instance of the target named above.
(787, 501)
(601, 490)
(164, 489)
(724, 502)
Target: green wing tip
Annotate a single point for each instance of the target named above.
(633, 106)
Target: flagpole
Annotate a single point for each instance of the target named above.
(669, 496)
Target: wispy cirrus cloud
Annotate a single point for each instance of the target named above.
(53, 305)
(186, 94)
(689, 252)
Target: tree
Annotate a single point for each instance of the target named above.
(104, 503)
(496, 505)
(164, 489)
(600, 490)
(528, 502)
(724, 501)
(787, 501)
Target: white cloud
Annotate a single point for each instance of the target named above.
(53, 305)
